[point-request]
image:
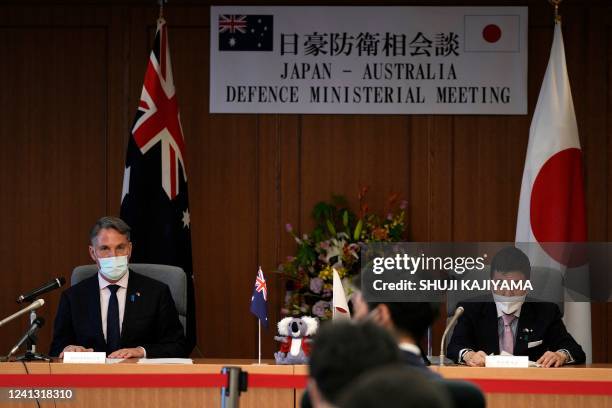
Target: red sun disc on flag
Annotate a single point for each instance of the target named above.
(558, 208)
(491, 33)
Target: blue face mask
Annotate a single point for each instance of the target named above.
(114, 267)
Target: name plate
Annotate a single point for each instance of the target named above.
(87, 357)
(507, 361)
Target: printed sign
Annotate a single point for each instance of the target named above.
(381, 60)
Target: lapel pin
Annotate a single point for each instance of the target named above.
(527, 334)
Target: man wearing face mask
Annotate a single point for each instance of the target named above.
(117, 311)
(507, 323)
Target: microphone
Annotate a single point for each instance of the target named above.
(47, 287)
(35, 305)
(36, 324)
(458, 312)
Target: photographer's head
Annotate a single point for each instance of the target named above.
(407, 321)
(342, 352)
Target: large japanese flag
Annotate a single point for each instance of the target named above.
(551, 207)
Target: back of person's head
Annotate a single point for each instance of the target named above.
(394, 387)
(343, 351)
(412, 318)
(511, 259)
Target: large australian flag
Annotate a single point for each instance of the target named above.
(246, 32)
(154, 199)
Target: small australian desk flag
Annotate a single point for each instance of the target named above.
(259, 300)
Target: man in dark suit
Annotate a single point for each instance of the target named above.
(506, 322)
(117, 311)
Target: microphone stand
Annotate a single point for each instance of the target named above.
(31, 354)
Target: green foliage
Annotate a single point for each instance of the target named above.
(334, 244)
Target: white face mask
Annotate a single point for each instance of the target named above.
(509, 304)
(113, 268)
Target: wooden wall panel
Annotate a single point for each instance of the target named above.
(74, 79)
(52, 158)
(342, 153)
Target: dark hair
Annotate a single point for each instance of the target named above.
(107, 222)
(412, 318)
(511, 259)
(395, 387)
(342, 351)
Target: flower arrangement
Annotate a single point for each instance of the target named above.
(334, 243)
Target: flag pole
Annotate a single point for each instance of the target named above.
(259, 340)
(161, 7)
(555, 4)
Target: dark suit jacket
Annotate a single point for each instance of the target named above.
(461, 393)
(477, 329)
(150, 318)
(417, 362)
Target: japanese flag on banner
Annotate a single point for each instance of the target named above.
(552, 206)
(492, 33)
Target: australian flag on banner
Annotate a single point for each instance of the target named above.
(246, 32)
(259, 300)
(154, 200)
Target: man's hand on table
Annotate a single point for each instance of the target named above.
(552, 359)
(137, 352)
(475, 358)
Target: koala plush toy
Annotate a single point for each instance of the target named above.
(295, 338)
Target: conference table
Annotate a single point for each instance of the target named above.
(128, 384)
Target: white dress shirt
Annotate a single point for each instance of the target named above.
(105, 294)
(412, 348)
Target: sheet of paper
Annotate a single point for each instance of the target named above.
(507, 361)
(531, 363)
(114, 360)
(86, 357)
(165, 361)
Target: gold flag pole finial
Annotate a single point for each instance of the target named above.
(555, 4)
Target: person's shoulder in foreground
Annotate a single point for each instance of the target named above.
(395, 387)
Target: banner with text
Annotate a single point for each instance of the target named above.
(380, 60)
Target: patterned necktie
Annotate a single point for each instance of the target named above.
(507, 342)
(112, 321)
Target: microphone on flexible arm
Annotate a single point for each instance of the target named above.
(458, 312)
(47, 287)
(29, 335)
(35, 305)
